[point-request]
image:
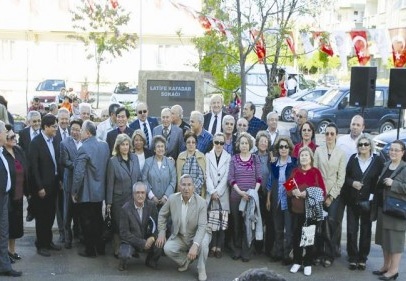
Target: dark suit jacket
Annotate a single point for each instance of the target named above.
(174, 142)
(112, 135)
(153, 122)
(20, 156)
(42, 166)
(133, 231)
(3, 179)
(24, 139)
(207, 118)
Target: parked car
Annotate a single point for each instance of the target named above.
(328, 80)
(383, 141)
(48, 91)
(283, 106)
(125, 94)
(334, 107)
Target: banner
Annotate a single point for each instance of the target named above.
(340, 40)
(307, 45)
(398, 39)
(379, 38)
(359, 41)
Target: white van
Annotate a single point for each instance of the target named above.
(257, 84)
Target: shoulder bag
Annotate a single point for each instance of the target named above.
(365, 205)
(217, 219)
(393, 206)
(308, 234)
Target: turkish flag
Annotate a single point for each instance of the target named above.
(359, 40)
(259, 48)
(398, 38)
(290, 184)
(291, 42)
(324, 42)
(114, 3)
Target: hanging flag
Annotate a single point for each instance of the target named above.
(359, 41)
(290, 184)
(114, 3)
(324, 42)
(379, 37)
(259, 47)
(341, 46)
(291, 42)
(398, 38)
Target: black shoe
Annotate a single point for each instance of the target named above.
(54, 247)
(11, 273)
(378, 272)
(362, 266)
(236, 258)
(386, 278)
(87, 255)
(14, 256)
(11, 260)
(151, 263)
(43, 252)
(29, 217)
(352, 266)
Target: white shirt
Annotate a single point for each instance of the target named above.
(103, 128)
(364, 164)
(139, 210)
(218, 126)
(185, 207)
(8, 186)
(272, 135)
(348, 145)
(291, 84)
(51, 148)
(78, 144)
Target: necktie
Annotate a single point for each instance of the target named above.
(213, 129)
(165, 132)
(35, 134)
(146, 133)
(64, 135)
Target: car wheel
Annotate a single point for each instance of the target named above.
(386, 127)
(321, 128)
(286, 114)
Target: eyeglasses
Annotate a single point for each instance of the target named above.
(284, 147)
(299, 116)
(11, 137)
(142, 111)
(219, 142)
(361, 144)
(330, 133)
(242, 125)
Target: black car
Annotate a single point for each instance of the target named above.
(334, 107)
(383, 141)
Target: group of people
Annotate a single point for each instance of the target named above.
(161, 182)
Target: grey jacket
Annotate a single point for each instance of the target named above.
(161, 181)
(69, 154)
(175, 141)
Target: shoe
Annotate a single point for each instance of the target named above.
(11, 260)
(378, 272)
(68, 245)
(352, 266)
(151, 263)
(14, 256)
(327, 263)
(295, 268)
(202, 276)
(218, 254)
(393, 277)
(122, 265)
(362, 266)
(211, 253)
(11, 273)
(185, 266)
(236, 258)
(307, 270)
(245, 260)
(87, 255)
(43, 252)
(54, 247)
(287, 261)
(29, 217)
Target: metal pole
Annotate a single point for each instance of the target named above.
(140, 40)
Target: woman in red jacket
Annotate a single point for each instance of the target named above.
(305, 176)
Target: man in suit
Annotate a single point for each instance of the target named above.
(172, 133)
(109, 124)
(177, 118)
(61, 134)
(190, 237)
(204, 138)
(89, 188)
(213, 119)
(273, 130)
(25, 137)
(145, 123)
(138, 228)
(69, 151)
(44, 159)
(5, 187)
(122, 115)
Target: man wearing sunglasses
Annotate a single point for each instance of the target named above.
(144, 122)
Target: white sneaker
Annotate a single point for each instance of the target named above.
(295, 268)
(202, 276)
(185, 266)
(307, 270)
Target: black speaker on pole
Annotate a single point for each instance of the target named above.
(397, 88)
(362, 87)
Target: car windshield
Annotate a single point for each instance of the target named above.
(51, 85)
(330, 98)
(125, 89)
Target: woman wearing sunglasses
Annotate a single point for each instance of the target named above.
(217, 167)
(307, 134)
(277, 201)
(362, 174)
(331, 162)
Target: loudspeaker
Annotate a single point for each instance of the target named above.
(397, 88)
(362, 87)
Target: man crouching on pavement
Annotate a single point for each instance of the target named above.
(138, 228)
(191, 237)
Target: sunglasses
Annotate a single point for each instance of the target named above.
(299, 116)
(329, 133)
(361, 144)
(284, 147)
(142, 111)
(219, 142)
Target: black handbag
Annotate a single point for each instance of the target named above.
(365, 205)
(107, 234)
(394, 207)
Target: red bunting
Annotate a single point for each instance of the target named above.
(290, 184)
(291, 42)
(259, 47)
(398, 38)
(324, 43)
(359, 40)
(114, 3)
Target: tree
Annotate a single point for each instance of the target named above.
(98, 24)
(271, 20)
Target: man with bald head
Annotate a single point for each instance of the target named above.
(213, 119)
(144, 122)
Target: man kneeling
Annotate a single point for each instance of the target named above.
(138, 228)
(191, 237)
